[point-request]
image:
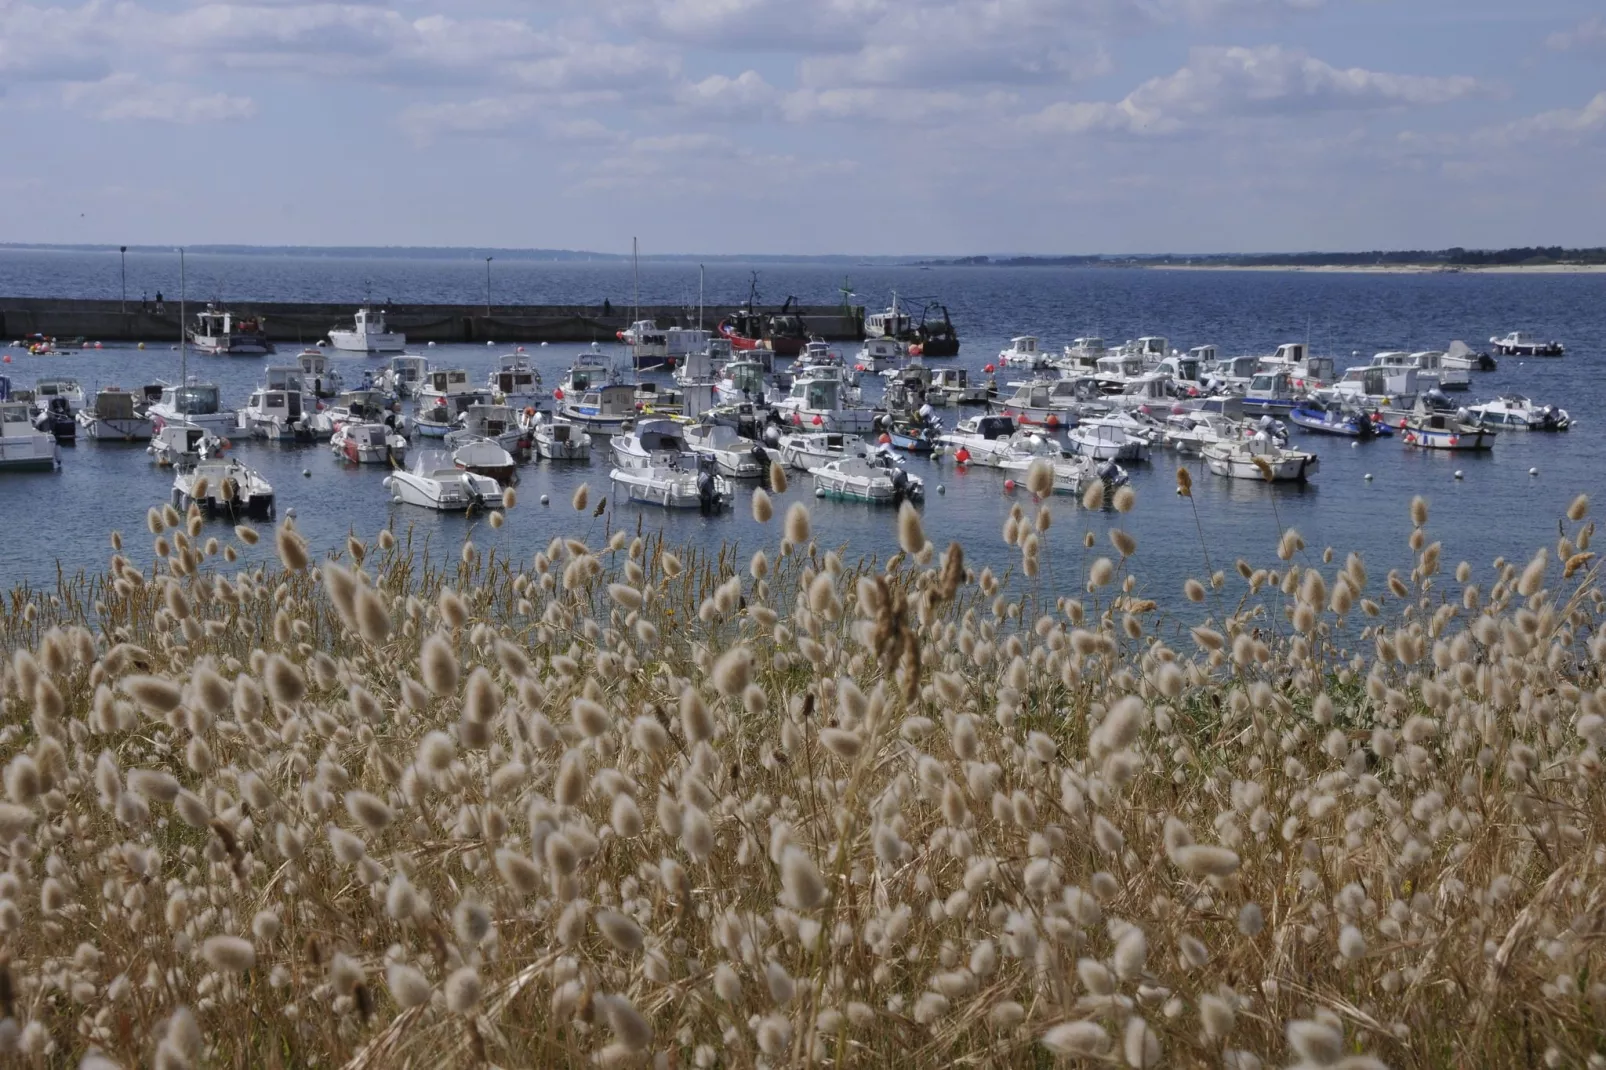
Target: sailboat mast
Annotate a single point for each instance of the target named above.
(183, 349)
(701, 271)
(635, 271)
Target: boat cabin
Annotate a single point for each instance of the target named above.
(681, 342)
(1378, 381)
(614, 399)
(1205, 355)
(818, 394)
(1151, 347)
(313, 363)
(514, 375)
(747, 376)
(195, 399)
(272, 402)
(1121, 367)
(488, 420)
(448, 381)
(115, 403)
(660, 436)
(988, 427)
(1270, 386)
(408, 369)
(1022, 348)
(881, 349)
(14, 420)
(283, 377)
(893, 323)
(46, 389)
(1185, 369)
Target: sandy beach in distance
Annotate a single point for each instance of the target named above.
(1399, 269)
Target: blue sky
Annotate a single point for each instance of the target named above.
(778, 126)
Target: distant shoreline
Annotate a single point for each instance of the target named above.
(1396, 269)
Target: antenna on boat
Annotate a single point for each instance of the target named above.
(635, 271)
(183, 349)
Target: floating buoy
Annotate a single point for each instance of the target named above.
(819, 492)
(489, 342)
(543, 345)
(520, 349)
(544, 499)
(941, 489)
(1354, 445)
(963, 456)
(1368, 477)
(1009, 485)
(306, 473)
(1458, 473)
(8, 358)
(885, 439)
(396, 500)
(1533, 471)
(430, 344)
(140, 346)
(290, 512)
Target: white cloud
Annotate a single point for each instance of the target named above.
(882, 106)
(1591, 33)
(127, 97)
(1562, 125)
(746, 96)
(1238, 82)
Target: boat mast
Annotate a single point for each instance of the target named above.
(635, 271)
(183, 350)
(700, 273)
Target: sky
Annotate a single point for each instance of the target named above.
(888, 127)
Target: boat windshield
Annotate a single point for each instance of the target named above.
(196, 400)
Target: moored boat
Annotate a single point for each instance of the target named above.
(556, 439)
(1443, 431)
(1260, 457)
(674, 485)
(181, 443)
(808, 450)
(24, 448)
(1524, 344)
(116, 415)
(368, 334)
(1332, 419)
(221, 332)
(362, 443)
(55, 418)
(225, 489)
(874, 475)
(434, 482)
(1514, 412)
(734, 456)
(484, 457)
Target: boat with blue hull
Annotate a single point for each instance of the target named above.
(1328, 420)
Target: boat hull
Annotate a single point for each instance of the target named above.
(29, 453)
(1352, 427)
(642, 488)
(1294, 469)
(251, 507)
(1466, 439)
(137, 429)
(354, 342)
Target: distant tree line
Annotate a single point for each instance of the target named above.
(1454, 257)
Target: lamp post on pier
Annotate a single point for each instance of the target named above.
(122, 251)
(488, 288)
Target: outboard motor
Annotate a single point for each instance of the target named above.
(772, 434)
(1111, 474)
(706, 487)
(762, 456)
(900, 483)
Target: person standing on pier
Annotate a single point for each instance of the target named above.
(160, 308)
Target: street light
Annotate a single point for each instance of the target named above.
(488, 287)
(123, 252)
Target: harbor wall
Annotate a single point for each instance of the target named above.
(307, 323)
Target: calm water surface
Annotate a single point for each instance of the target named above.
(62, 519)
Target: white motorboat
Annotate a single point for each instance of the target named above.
(1081, 357)
(1435, 363)
(499, 423)
(1305, 371)
(1190, 431)
(277, 410)
(674, 486)
(879, 354)
(444, 396)
(220, 332)
(1524, 344)
(317, 377)
(734, 456)
(197, 404)
(23, 448)
(116, 415)
(1115, 370)
(516, 382)
(1024, 353)
(808, 450)
(433, 481)
(556, 439)
(67, 389)
(1260, 457)
(601, 411)
(874, 475)
(1231, 375)
(954, 387)
(406, 375)
(821, 402)
(1272, 392)
(359, 407)
(702, 365)
(362, 443)
(1461, 357)
(1052, 403)
(894, 324)
(649, 346)
(980, 440)
(1104, 439)
(1071, 475)
(368, 334)
(1514, 412)
(181, 443)
(653, 442)
(484, 457)
(1427, 430)
(225, 489)
(745, 381)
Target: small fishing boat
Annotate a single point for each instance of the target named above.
(823, 402)
(649, 443)
(954, 387)
(484, 457)
(1023, 352)
(874, 475)
(808, 450)
(499, 423)
(1260, 457)
(879, 354)
(277, 410)
(225, 489)
(116, 415)
(1272, 392)
(360, 407)
(675, 486)
(55, 418)
(1071, 475)
(66, 389)
(1524, 344)
(1052, 403)
(601, 411)
(556, 439)
(734, 456)
(220, 332)
(515, 381)
(368, 334)
(893, 325)
(24, 448)
(934, 337)
(362, 443)
(443, 397)
(184, 444)
(1326, 419)
(1514, 412)
(1105, 439)
(196, 403)
(1461, 357)
(405, 376)
(979, 440)
(316, 376)
(434, 482)
(912, 435)
(1428, 430)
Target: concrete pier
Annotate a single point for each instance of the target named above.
(112, 321)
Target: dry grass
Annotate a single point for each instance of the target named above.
(620, 807)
